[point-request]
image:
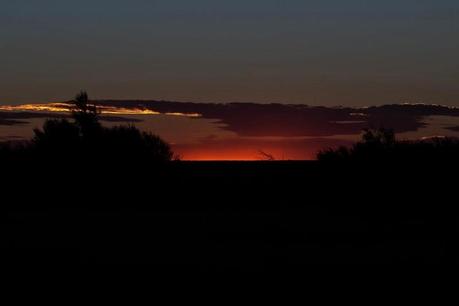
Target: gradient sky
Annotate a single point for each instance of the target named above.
(324, 52)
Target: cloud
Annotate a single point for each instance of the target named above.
(453, 128)
(270, 120)
(19, 118)
(284, 120)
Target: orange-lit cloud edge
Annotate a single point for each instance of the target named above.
(62, 107)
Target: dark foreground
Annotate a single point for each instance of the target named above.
(226, 215)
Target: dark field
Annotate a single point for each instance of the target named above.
(229, 214)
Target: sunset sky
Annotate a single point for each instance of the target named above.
(327, 52)
(209, 53)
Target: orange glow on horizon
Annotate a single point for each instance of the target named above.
(203, 153)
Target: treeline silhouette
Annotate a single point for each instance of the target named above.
(89, 196)
(380, 146)
(83, 141)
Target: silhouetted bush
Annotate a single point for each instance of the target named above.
(12, 152)
(381, 147)
(84, 140)
(57, 136)
(129, 142)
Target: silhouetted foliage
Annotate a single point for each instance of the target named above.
(11, 152)
(129, 142)
(57, 135)
(381, 146)
(86, 116)
(84, 140)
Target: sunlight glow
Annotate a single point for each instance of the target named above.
(109, 110)
(51, 107)
(191, 115)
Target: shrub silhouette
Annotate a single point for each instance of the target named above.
(129, 142)
(12, 153)
(84, 140)
(57, 136)
(381, 146)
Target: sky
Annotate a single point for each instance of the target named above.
(324, 52)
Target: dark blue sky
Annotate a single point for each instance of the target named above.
(328, 52)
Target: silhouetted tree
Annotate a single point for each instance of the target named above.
(381, 146)
(84, 140)
(57, 134)
(384, 137)
(128, 142)
(86, 116)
